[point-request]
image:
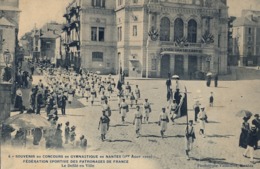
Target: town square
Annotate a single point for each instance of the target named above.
(130, 84)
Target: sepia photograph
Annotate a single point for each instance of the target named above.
(129, 84)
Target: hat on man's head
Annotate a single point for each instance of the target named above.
(82, 137)
(256, 115)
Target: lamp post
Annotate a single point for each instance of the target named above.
(7, 56)
(7, 74)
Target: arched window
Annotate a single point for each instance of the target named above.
(165, 29)
(192, 31)
(178, 29)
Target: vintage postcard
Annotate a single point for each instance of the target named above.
(129, 84)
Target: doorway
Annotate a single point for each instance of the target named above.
(165, 65)
(178, 66)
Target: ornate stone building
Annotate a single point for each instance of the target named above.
(154, 37)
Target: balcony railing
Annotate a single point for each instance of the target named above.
(193, 45)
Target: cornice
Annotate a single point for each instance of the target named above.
(98, 11)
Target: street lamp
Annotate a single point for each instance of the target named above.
(7, 56)
(7, 72)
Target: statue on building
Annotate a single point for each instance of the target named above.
(153, 33)
(181, 42)
(207, 38)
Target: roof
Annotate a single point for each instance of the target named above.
(52, 27)
(49, 35)
(9, 8)
(246, 21)
(5, 22)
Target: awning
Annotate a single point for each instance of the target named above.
(183, 53)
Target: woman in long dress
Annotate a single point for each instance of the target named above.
(244, 133)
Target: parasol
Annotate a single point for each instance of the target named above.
(28, 121)
(244, 113)
(175, 77)
(209, 74)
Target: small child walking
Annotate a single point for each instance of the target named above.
(211, 99)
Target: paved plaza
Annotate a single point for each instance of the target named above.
(218, 148)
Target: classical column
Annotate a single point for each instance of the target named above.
(185, 33)
(172, 63)
(186, 64)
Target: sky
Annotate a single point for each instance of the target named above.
(40, 12)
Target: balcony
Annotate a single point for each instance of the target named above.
(187, 45)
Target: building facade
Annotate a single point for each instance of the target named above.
(153, 37)
(47, 43)
(246, 38)
(9, 26)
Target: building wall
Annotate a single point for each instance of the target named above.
(9, 9)
(99, 18)
(137, 49)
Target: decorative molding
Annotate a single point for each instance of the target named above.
(135, 18)
(183, 10)
(207, 38)
(98, 11)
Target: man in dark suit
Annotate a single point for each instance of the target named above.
(256, 122)
(63, 104)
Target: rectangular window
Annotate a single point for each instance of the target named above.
(249, 31)
(249, 39)
(135, 1)
(48, 45)
(94, 33)
(98, 34)
(249, 50)
(120, 2)
(119, 33)
(101, 34)
(153, 64)
(97, 57)
(98, 3)
(219, 38)
(135, 30)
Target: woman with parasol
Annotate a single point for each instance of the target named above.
(244, 132)
(209, 77)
